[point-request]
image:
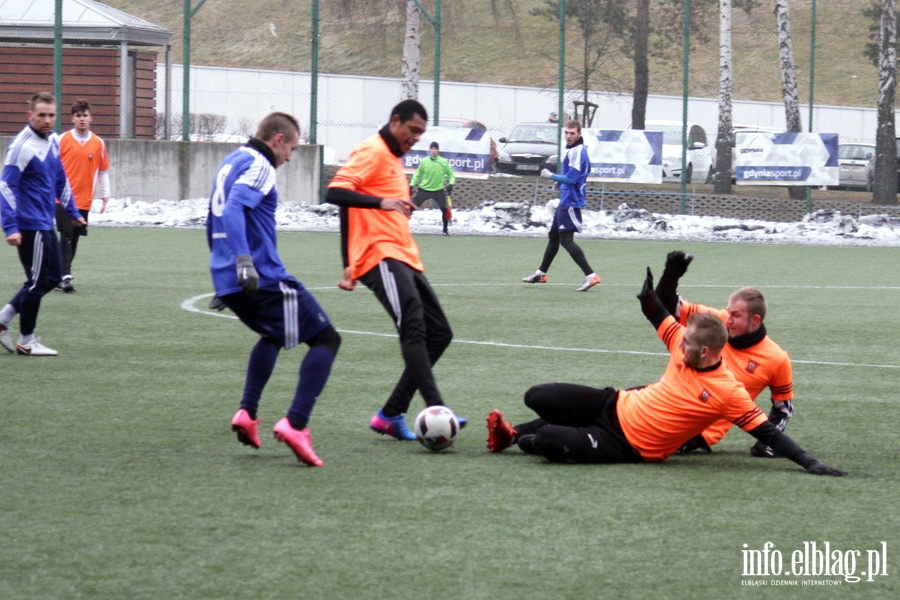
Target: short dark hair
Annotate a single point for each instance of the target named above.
(573, 124)
(81, 105)
(407, 108)
(41, 98)
(434, 145)
(709, 329)
(275, 123)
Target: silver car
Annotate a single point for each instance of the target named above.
(700, 160)
(853, 159)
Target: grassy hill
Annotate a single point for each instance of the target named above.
(501, 42)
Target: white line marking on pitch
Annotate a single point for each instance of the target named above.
(681, 285)
(188, 305)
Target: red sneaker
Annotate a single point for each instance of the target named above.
(500, 432)
(299, 441)
(247, 429)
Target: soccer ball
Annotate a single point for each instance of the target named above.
(436, 428)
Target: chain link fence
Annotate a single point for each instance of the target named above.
(500, 66)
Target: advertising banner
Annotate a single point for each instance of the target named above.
(467, 150)
(626, 156)
(806, 159)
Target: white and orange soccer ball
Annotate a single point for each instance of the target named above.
(436, 428)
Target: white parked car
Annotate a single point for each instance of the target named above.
(699, 160)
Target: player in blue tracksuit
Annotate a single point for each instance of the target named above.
(572, 180)
(250, 279)
(33, 178)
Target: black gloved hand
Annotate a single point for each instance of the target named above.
(449, 189)
(677, 263)
(217, 304)
(247, 276)
(652, 308)
(817, 468)
(695, 443)
(647, 289)
(667, 289)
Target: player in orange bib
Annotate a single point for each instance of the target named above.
(86, 162)
(378, 249)
(587, 425)
(754, 358)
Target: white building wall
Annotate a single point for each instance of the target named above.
(351, 108)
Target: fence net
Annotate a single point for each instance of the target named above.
(499, 65)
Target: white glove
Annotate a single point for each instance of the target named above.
(546, 174)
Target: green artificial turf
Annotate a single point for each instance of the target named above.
(121, 479)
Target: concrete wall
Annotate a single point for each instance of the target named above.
(152, 170)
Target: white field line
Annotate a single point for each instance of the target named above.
(188, 305)
(680, 286)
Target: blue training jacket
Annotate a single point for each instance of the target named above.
(242, 220)
(572, 180)
(33, 178)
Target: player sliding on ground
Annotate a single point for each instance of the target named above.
(587, 425)
(754, 358)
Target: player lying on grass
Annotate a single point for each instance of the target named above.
(587, 425)
(754, 358)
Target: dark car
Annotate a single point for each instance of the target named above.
(468, 124)
(528, 149)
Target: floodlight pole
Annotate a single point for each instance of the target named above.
(684, 100)
(314, 76)
(57, 62)
(436, 22)
(560, 114)
(812, 86)
(186, 67)
(314, 98)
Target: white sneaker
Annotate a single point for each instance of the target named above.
(538, 277)
(589, 282)
(35, 348)
(5, 340)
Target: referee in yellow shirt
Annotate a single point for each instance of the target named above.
(431, 176)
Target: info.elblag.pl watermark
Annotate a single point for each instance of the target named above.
(812, 564)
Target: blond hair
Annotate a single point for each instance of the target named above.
(756, 302)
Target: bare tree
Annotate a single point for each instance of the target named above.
(205, 126)
(725, 137)
(412, 41)
(641, 64)
(601, 24)
(885, 145)
(788, 79)
(666, 36)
